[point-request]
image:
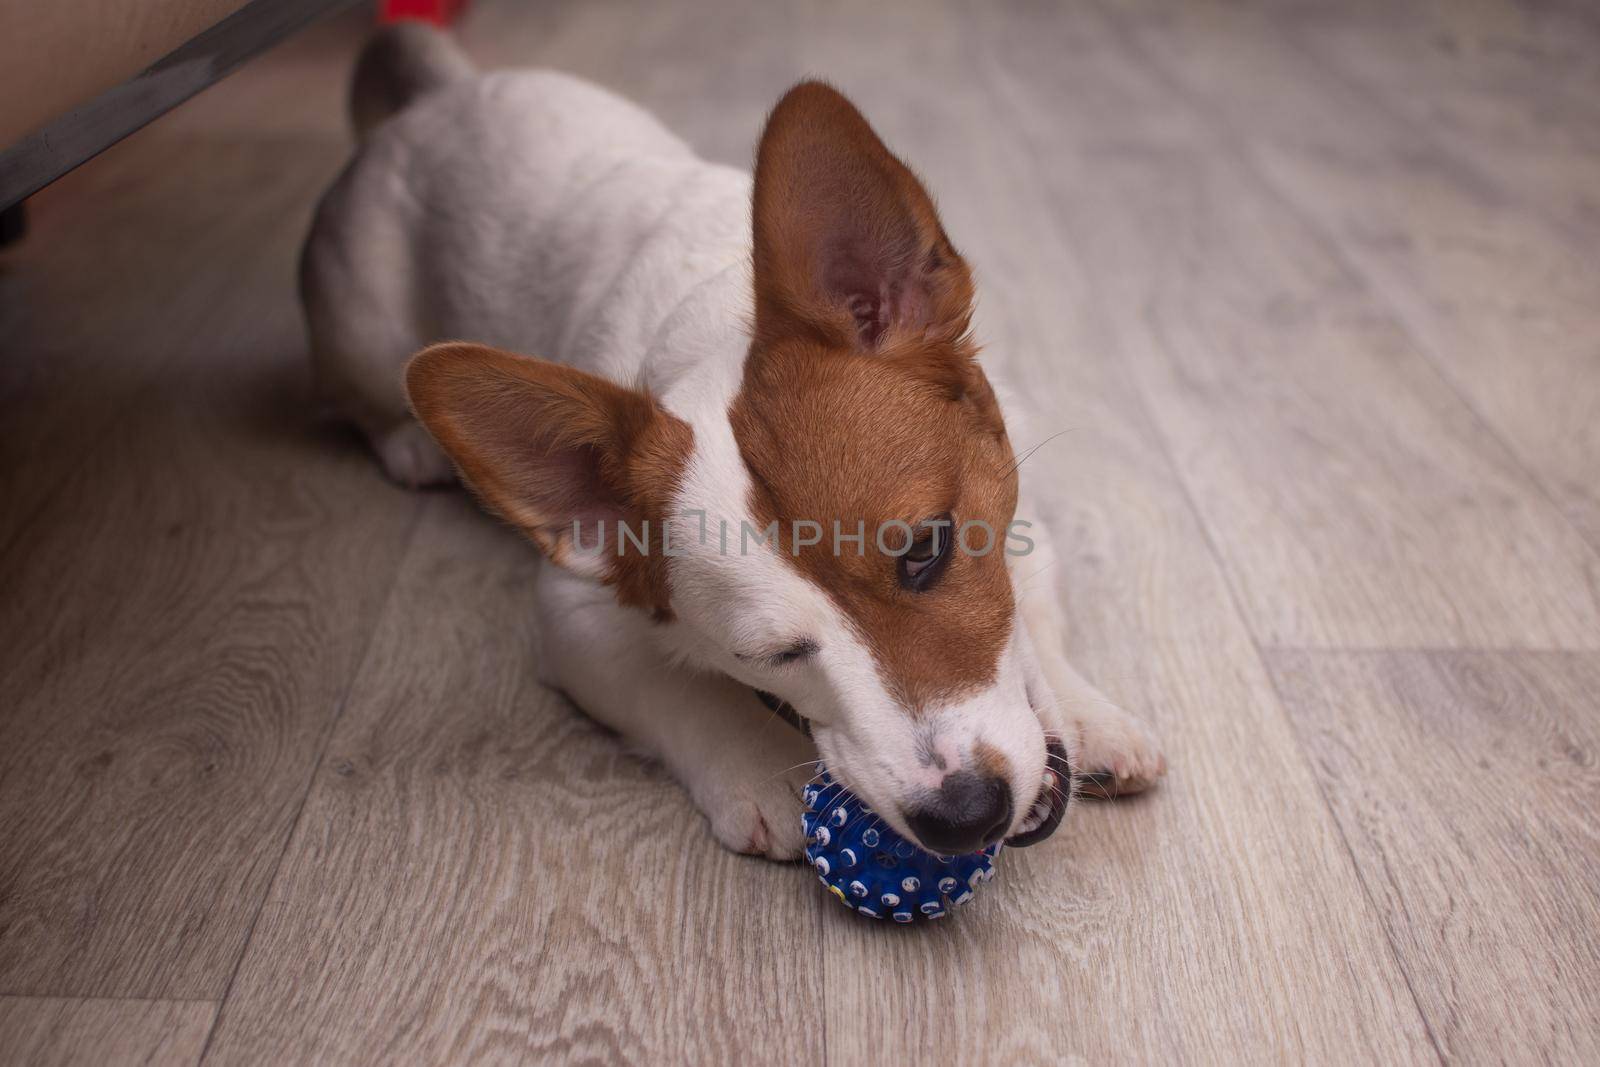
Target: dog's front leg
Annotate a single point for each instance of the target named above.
(743, 766)
(1102, 739)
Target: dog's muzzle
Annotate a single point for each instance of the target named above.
(1055, 785)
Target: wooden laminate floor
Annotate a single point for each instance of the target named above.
(1313, 286)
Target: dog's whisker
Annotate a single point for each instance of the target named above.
(803, 763)
(808, 763)
(859, 815)
(1024, 457)
(1022, 585)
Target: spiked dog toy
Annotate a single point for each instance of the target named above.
(875, 871)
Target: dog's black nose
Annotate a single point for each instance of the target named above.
(965, 813)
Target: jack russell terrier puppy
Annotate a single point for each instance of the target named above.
(745, 420)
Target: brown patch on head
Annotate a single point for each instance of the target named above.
(831, 437)
(862, 400)
(548, 447)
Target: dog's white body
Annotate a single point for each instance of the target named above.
(536, 212)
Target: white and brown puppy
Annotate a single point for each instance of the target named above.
(710, 356)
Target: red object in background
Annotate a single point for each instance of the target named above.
(438, 12)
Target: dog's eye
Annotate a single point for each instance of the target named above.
(798, 651)
(804, 648)
(925, 560)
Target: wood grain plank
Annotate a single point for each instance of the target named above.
(56, 1032)
(176, 658)
(203, 564)
(147, 259)
(1354, 498)
(481, 875)
(1465, 784)
(1509, 90)
(1498, 301)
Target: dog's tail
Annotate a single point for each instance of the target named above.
(401, 63)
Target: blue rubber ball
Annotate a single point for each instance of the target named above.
(875, 871)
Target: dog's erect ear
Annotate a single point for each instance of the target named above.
(548, 447)
(848, 247)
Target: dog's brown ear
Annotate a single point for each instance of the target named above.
(563, 455)
(848, 247)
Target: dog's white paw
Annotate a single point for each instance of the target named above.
(755, 815)
(411, 457)
(1119, 750)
